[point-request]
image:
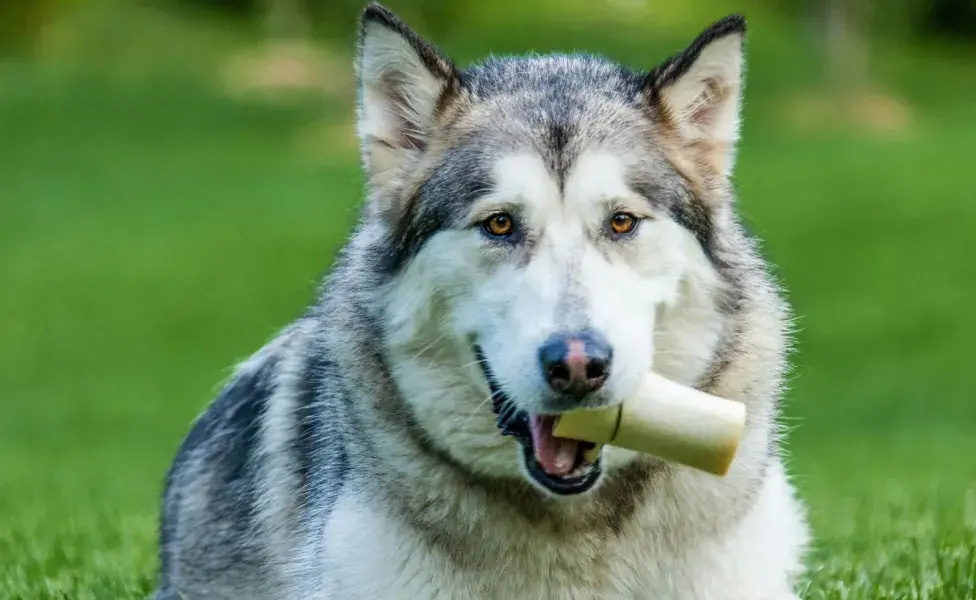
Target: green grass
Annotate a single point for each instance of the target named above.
(152, 233)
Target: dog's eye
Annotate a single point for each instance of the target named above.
(623, 223)
(499, 225)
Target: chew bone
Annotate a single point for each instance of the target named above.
(669, 420)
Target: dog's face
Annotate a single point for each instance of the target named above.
(541, 218)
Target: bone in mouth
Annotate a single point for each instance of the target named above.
(667, 419)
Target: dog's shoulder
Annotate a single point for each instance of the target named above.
(244, 466)
(225, 437)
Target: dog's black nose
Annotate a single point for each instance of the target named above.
(576, 364)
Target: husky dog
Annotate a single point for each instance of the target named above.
(539, 232)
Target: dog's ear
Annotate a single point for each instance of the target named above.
(402, 81)
(698, 91)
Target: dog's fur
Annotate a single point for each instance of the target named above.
(356, 456)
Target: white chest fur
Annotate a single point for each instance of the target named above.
(374, 556)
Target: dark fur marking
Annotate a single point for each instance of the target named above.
(234, 417)
(244, 419)
(456, 185)
(693, 215)
(722, 357)
(303, 445)
(557, 144)
(402, 237)
(623, 494)
(687, 210)
(451, 92)
(691, 212)
(730, 300)
(409, 235)
(320, 446)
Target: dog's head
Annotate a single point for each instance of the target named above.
(549, 228)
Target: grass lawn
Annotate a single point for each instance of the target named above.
(152, 233)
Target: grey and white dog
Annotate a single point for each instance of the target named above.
(539, 232)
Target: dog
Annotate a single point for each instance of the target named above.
(538, 232)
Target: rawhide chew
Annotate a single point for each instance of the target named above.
(666, 419)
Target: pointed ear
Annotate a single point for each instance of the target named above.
(403, 80)
(699, 91)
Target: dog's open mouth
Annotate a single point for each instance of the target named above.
(562, 466)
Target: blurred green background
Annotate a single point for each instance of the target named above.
(176, 175)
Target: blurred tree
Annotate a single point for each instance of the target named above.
(846, 43)
(23, 21)
(842, 26)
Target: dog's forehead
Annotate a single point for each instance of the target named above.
(567, 128)
(523, 176)
(597, 175)
(551, 100)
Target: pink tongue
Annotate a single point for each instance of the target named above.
(556, 455)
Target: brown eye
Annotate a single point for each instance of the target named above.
(623, 223)
(499, 225)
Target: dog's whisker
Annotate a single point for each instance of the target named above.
(428, 346)
(481, 405)
(473, 363)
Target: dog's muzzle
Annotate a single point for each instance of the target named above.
(562, 466)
